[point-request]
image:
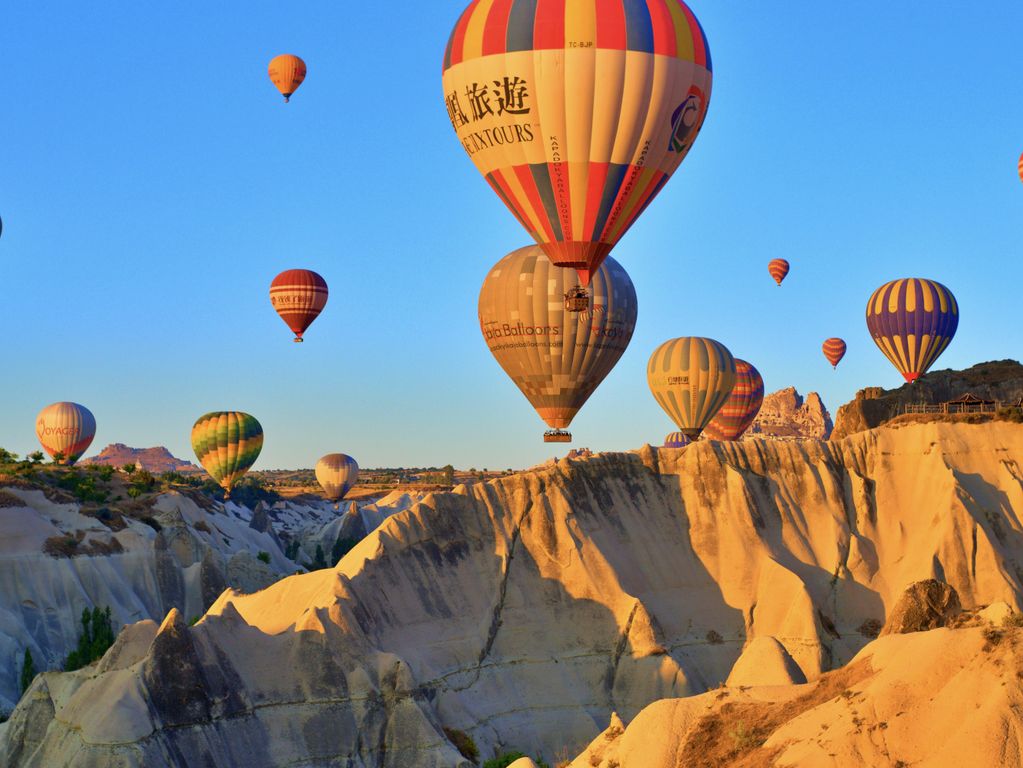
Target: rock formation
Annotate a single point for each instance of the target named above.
(156, 460)
(526, 610)
(785, 414)
(1001, 380)
(944, 697)
(925, 605)
(174, 551)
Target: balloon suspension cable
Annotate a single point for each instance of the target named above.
(577, 299)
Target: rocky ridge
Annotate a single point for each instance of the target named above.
(525, 611)
(786, 414)
(156, 460)
(1000, 380)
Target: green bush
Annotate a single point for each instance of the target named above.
(96, 638)
(341, 548)
(28, 671)
(264, 556)
(464, 744)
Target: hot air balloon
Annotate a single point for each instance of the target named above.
(336, 473)
(577, 112)
(691, 378)
(676, 440)
(741, 407)
(912, 320)
(287, 73)
(65, 430)
(556, 357)
(227, 444)
(1019, 167)
(779, 269)
(834, 350)
(298, 295)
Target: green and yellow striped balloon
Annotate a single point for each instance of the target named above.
(227, 444)
(691, 378)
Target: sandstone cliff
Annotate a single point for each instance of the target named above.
(526, 610)
(874, 406)
(786, 414)
(156, 460)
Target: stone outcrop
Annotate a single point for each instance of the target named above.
(156, 460)
(945, 697)
(925, 605)
(526, 610)
(1000, 380)
(786, 414)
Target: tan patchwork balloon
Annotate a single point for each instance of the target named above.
(336, 473)
(556, 357)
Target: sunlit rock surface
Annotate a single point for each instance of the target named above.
(527, 610)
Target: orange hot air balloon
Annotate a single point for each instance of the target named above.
(1019, 167)
(287, 73)
(298, 295)
(577, 112)
(779, 269)
(834, 350)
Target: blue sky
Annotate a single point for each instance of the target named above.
(152, 183)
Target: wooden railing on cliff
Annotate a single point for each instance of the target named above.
(957, 408)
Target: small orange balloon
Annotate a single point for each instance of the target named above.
(287, 73)
(778, 268)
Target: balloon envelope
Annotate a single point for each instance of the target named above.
(691, 378)
(556, 357)
(287, 73)
(912, 321)
(298, 295)
(577, 112)
(676, 440)
(742, 406)
(66, 429)
(779, 269)
(227, 444)
(834, 350)
(336, 473)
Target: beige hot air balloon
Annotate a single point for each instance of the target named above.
(691, 379)
(336, 473)
(556, 357)
(65, 430)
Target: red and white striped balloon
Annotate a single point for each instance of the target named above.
(65, 430)
(298, 295)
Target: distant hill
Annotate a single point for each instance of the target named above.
(156, 460)
(787, 414)
(997, 380)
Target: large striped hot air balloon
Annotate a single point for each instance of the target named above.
(556, 357)
(676, 440)
(912, 321)
(65, 431)
(834, 351)
(287, 73)
(227, 444)
(336, 473)
(298, 295)
(779, 269)
(577, 111)
(742, 406)
(691, 378)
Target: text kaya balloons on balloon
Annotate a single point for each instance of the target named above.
(556, 357)
(691, 378)
(287, 73)
(298, 295)
(912, 321)
(742, 406)
(227, 444)
(65, 430)
(577, 112)
(834, 350)
(336, 473)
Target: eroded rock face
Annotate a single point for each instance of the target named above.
(524, 611)
(786, 414)
(946, 697)
(925, 605)
(1001, 380)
